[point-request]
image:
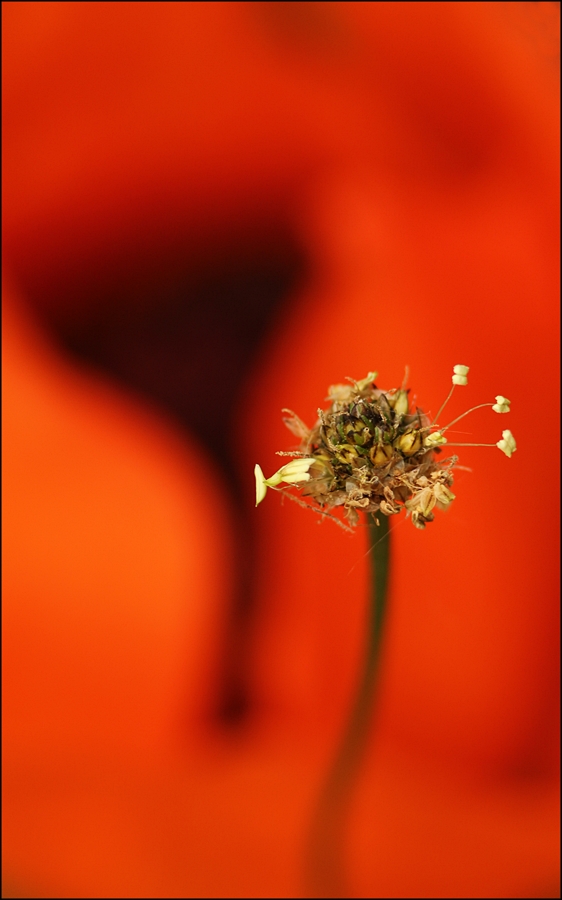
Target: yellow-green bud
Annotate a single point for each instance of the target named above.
(409, 443)
(381, 453)
(435, 439)
(401, 403)
(347, 453)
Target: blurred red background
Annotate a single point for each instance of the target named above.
(211, 212)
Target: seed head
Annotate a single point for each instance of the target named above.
(373, 451)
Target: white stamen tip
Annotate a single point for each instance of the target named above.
(501, 405)
(261, 484)
(507, 444)
(459, 374)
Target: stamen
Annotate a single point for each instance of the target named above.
(459, 374)
(459, 377)
(449, 395)
(507, 444)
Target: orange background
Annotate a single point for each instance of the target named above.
(412, 151)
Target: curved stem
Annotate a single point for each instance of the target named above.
(443, 405)
(326, 871)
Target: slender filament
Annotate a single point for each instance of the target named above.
(454, 422)
(444, 404)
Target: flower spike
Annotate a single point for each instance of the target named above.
(372, 451)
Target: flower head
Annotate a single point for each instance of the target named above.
(372, 452)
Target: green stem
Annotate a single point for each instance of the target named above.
(326, 871)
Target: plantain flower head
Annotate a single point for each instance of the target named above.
(373, 451)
